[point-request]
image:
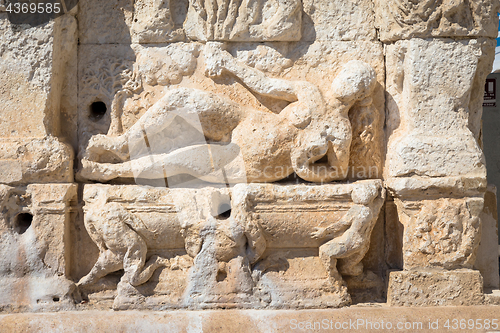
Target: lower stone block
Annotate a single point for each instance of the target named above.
(435, 288)
(250, 246)
(34, 226)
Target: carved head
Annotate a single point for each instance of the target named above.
(355, 82)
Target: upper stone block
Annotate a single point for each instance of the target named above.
(398, 19)
(262, 20)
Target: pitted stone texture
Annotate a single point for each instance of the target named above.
(435, 288)
(138, 94)
(33, 68)
(34, 253)
(440, 232)
(430, 120)
(339, 20)
(32, 65)
(245, 247)
(424, 19)
(24, 161)
(153, 22)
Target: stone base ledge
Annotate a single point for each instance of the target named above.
(374, 318)
(435, 288)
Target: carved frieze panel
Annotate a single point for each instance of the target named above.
(206, 248)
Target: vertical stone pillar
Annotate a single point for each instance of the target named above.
(438, 55)
(33, 63)
(37, 195)
(34, 251)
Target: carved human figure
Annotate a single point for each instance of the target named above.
(311, 127)
(350, 237)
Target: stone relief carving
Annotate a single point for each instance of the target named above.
(402, 19)
(237, 116)
(244, 20)
(311, 127)
(234, 238)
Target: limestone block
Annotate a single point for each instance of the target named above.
(33, 66)
(435, 288)
(338, 20)
(363, 319)
(430, 122)
(218, 247)
(34, 252)
(105, 22)
(24, 161)
(210, 77)
(442, 226)
(487, 252)
(406, 19)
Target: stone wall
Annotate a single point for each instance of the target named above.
(252, 154)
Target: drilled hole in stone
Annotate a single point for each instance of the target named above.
(55, 299)
(22, 222)
(221, 276)
(224, 211)
(97, 110)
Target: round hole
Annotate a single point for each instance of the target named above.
(224, 211)
(97, 110)
(221, 276)
(55, 299)
(22, 222)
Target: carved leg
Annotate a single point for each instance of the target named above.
(330, 264)
(134, 261)
(201, 161)
(352, 265)
(107, 262)
(210, 114)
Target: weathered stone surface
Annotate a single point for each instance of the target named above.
(449, 18)
(429, 115)
(359, 319)
(487, 252)
(435, 288)
(338, 97)
(232, 248)
(220, 128)
(34, 253)
(24, 161)
(338, 20)
(153, 23)
(442, 227)
(33, 63)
